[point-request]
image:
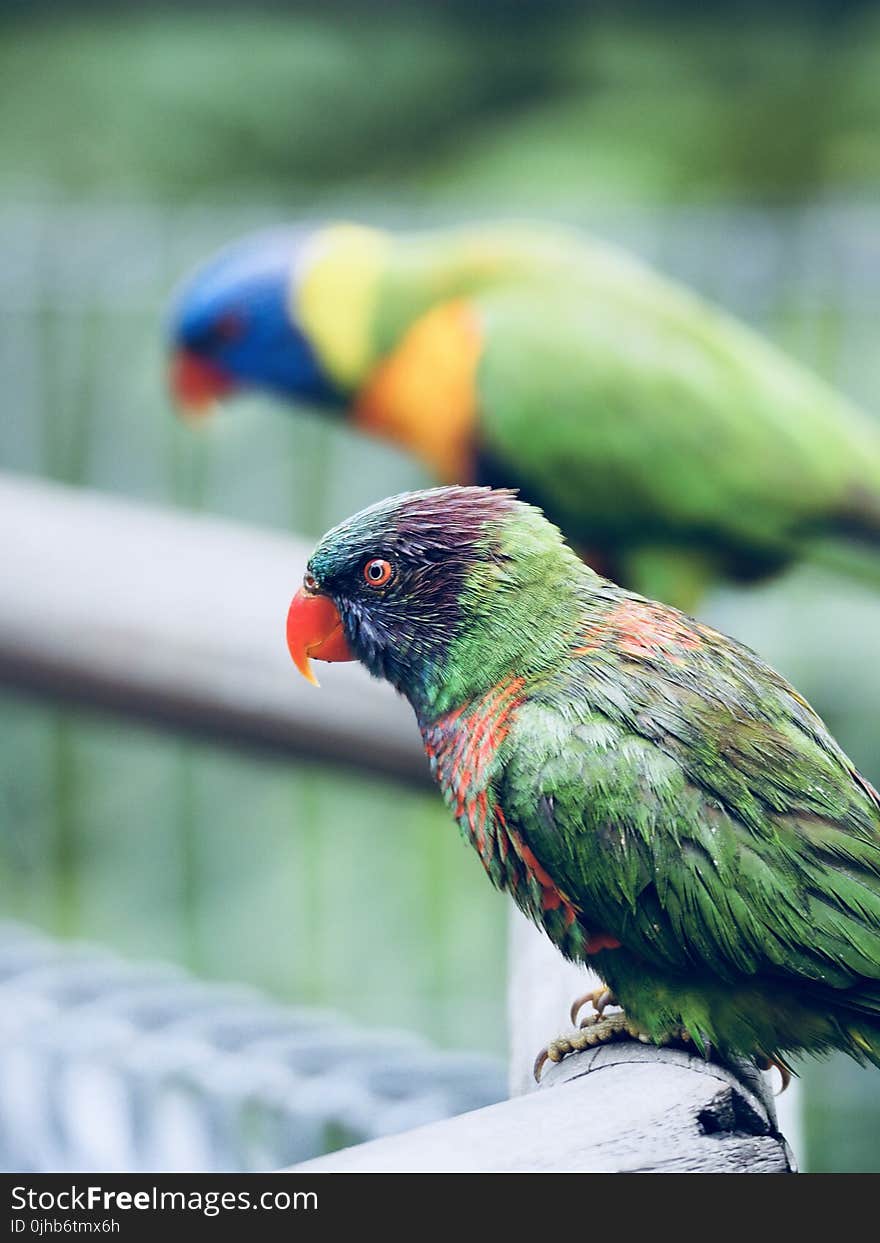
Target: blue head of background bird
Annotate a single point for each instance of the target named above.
(232, 326)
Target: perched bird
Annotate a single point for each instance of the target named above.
(654, 796)
(670, 443)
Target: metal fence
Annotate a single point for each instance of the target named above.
(110, 1065)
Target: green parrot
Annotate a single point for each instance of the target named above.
(648, 791)
(671, 444)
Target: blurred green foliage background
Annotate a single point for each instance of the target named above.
(539, 103)
(739, 151)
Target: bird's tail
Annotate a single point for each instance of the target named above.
(860, 1025)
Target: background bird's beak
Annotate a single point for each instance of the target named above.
(314, 628)
(197, 384)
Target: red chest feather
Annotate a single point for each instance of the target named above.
(463, 748)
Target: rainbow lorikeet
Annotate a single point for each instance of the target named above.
(661, 802)
(670, 443)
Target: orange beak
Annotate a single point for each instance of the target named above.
(314, 628)
(197, 384)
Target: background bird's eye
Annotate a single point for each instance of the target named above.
(228, 327)
(377, 572)
(310, 582)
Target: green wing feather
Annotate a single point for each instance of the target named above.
(702, 814)
(634, 412)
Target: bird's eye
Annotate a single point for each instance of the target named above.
(378, 572)
(310, 583)
(228, 327)
(209, 338)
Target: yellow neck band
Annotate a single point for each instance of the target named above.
(334, 297)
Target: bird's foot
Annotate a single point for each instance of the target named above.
(599, 1029)
(771, 1063)
(599, 998)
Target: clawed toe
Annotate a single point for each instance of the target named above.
(598, 1029)
(771, 1063)
(594, 1030)
(555, 1051)
(599, 998)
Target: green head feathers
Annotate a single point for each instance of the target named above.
(443, 591)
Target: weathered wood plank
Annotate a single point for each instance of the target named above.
(622, 1108)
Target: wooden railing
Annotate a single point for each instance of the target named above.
(180, 619)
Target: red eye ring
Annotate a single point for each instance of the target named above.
(377, 572)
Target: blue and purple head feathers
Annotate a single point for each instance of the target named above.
(233, 325)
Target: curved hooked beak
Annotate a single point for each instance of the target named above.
(195, 383)
(314, 628)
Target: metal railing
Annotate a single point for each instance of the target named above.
(123, 1067)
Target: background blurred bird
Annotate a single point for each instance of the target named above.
(648, 791)
(670, 443)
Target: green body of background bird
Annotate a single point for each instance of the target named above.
(648, 791)
(670, 443)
